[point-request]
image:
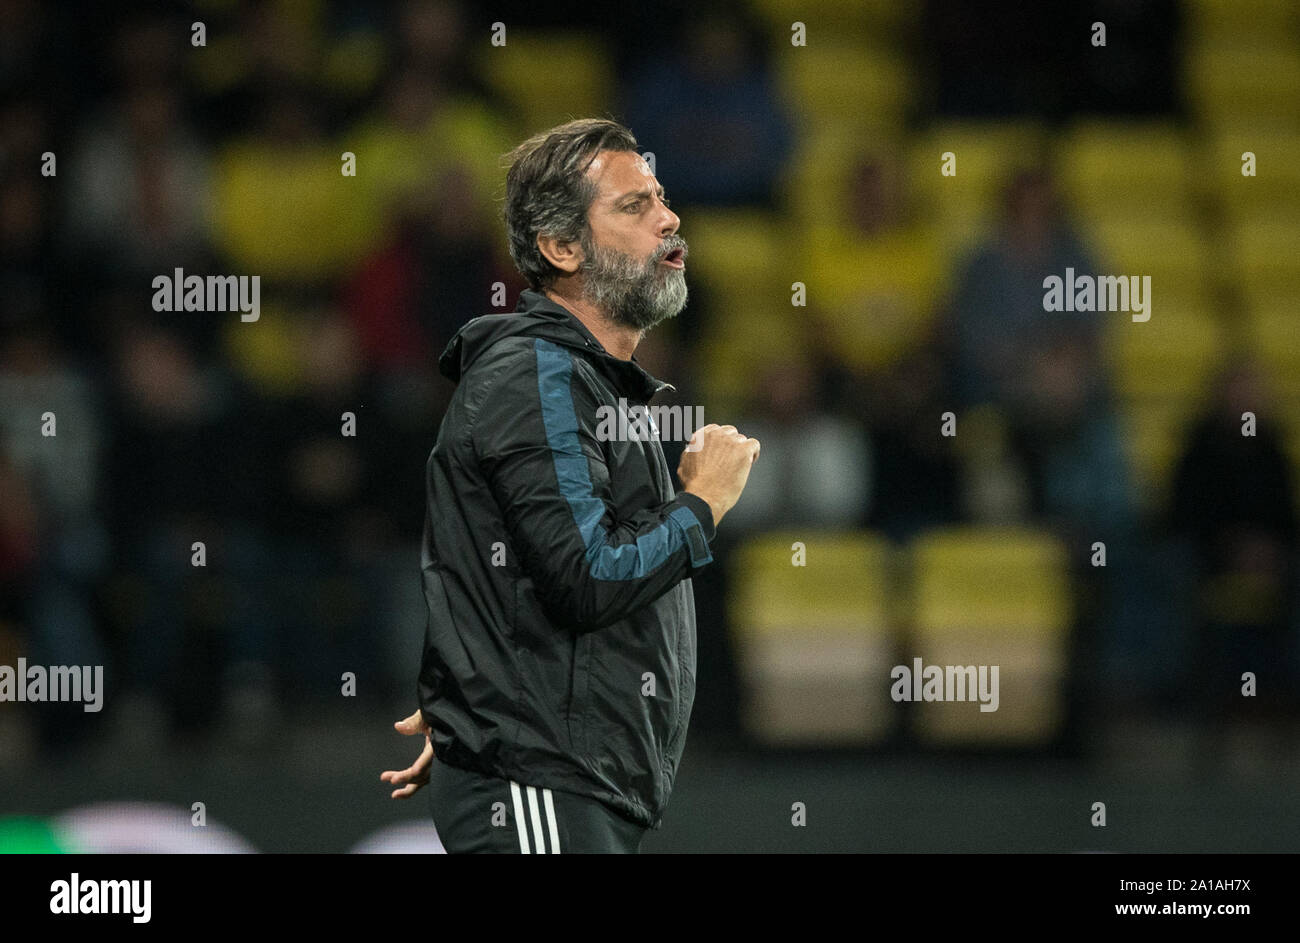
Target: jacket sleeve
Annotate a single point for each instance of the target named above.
(535, 443)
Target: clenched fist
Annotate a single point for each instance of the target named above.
(715, 466)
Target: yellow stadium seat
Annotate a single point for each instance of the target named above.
(1253, 80)
(266, 352)
(987, 156)
(814, 637)
(526, 69)
(1275, 185)
(741, 340)
(1173, 251)
(1273, 333)
(985, 597)
(1265, 249)
(836, 83)
(1155, 434)
(739, 257)
(1172, 356)
(289, 213)
(1212, 21)
(815, 184)
(965, 208)
(1145, 167)
(875, 297)
(739, 253)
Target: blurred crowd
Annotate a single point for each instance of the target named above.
(178, 428)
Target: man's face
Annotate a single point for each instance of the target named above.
(633, 265)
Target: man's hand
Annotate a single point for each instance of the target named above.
(716, 466)
(417, 774)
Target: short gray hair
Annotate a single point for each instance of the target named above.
(548, 192)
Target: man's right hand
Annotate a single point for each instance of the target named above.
(416, 775)
(716, 466)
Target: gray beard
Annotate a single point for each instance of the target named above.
(633, 294)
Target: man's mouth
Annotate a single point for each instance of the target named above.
(676, 258)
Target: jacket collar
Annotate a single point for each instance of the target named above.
(628, 376)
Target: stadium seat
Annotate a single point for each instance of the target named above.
(1275, 187)
(1273, 335)
(815, 182)
(1265, 249)
(988, 155)
(1171, 356)
(739, 253)
(1218, 21)
(525, 69)
(834, 84)
(289, 213)
(1155, 434)
(1258, 79)
(1182, 263)
(814, 642)
(1143, 167)
(876, 297)
(992, 596)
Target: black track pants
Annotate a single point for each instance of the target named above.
(477, 814)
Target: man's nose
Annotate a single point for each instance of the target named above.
(670, 223)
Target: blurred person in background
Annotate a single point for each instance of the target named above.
(193, 639)
(917, 483)
(817, 469)
(1048, 449)
(56, 547)
(138, 173)
(437, 259)
(327, 508)
(712, 110)
(29, 285)
(1233, 500)
(996, 323)
(1068, 433)
(1041, 372)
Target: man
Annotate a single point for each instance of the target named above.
(559, 666)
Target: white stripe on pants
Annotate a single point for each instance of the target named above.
(521, 825)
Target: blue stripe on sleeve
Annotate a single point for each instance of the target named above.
(622, 562)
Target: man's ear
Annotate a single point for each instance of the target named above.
(565, 256)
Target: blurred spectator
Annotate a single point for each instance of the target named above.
(437, 270)
(917, 485)
(1042, 370)
(1233, 499)
(27, 283)
(816, 468)
(138, 174)
(709, 110)
(190, 633)
(55, 552)
(997, 317)
(329, 481)
(1069, 436)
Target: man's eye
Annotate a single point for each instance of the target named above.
(632, 207)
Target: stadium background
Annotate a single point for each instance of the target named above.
(817, 164)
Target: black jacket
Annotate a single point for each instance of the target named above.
(560, 642)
